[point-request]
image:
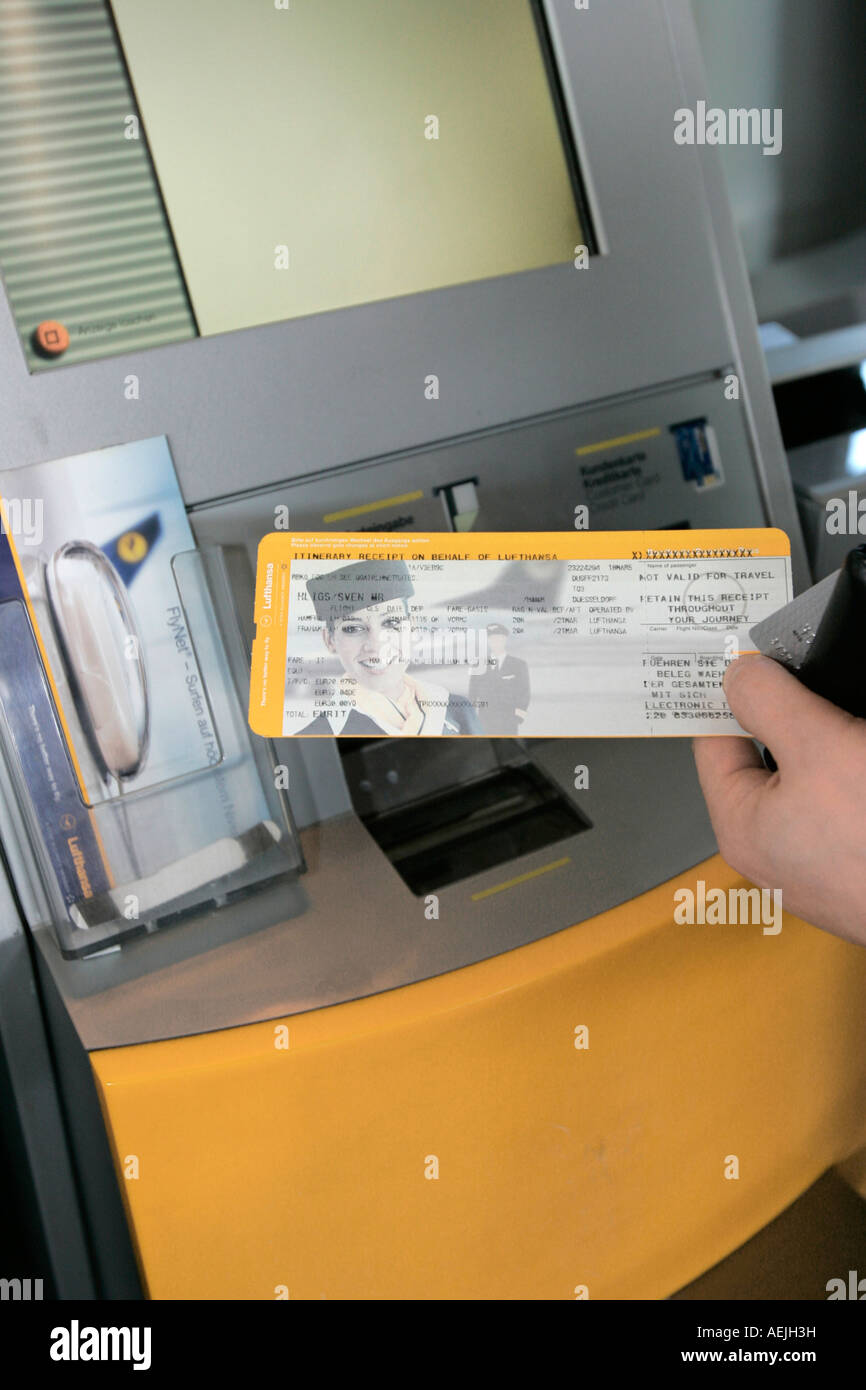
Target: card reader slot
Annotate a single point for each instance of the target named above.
(474, 826)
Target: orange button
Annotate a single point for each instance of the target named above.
(51, 338)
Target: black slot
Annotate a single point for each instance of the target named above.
(818, 407)
(474, 826)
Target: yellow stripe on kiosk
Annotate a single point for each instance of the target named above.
(616, 1107)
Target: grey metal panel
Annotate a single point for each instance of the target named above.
(529, 477)
(508, 466)
(83, 235)
(738, 308)
(39, 1113)
(115, 1270)
(54, 1122)
(829, 469)
(249, 411)
(289, 399)
(350, 927)
(825, 352)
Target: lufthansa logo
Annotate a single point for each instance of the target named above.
(132, 547)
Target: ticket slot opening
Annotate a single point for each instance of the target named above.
(436, 835)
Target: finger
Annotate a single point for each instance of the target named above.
(720, 756)
(772, 704)
(732, 776)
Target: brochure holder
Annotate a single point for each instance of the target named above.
(137, 859)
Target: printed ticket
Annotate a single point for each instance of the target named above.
(577, 635)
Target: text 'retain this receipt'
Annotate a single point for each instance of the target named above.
(539, 634)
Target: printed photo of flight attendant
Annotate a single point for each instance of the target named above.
(501, 693)
(364, 609)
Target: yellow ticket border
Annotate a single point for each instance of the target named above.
(278, 549)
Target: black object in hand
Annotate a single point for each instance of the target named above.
(835, 664)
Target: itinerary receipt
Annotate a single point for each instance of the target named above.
(540, 634)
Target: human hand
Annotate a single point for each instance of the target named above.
(801, 828)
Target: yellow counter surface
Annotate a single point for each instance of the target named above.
(448, 1139)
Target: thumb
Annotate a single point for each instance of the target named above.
(772, 705)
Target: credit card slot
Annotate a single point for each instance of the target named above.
(473, 826)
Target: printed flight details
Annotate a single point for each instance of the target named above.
(572, 635)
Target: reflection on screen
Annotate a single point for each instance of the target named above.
(333, 154)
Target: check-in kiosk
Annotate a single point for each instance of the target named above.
(387, 267)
